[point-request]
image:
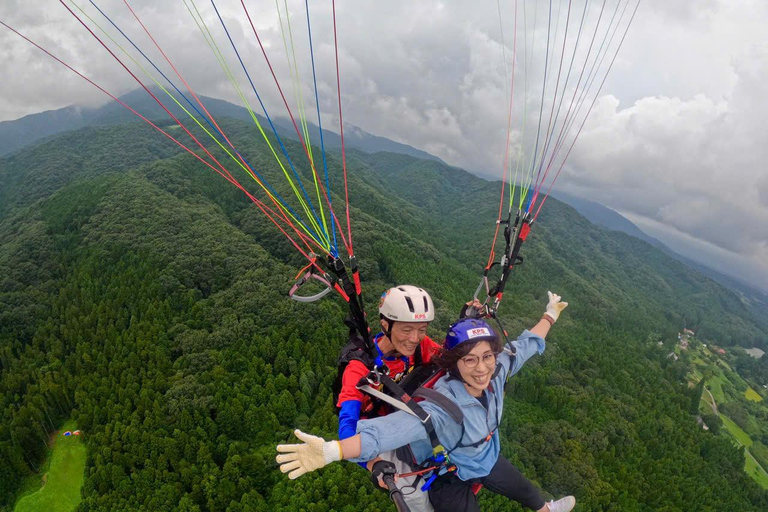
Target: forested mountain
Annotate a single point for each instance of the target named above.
(18, 133)
(145, 297)
(755, 299)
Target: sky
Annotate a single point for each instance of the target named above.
(675, 141)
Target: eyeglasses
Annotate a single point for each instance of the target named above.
(489, 359)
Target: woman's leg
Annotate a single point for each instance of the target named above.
(449, 494)
(506, 479)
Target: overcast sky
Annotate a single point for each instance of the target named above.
(676, 141)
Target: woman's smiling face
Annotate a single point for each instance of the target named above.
(477, 367)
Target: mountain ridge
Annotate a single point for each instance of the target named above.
(18, 133)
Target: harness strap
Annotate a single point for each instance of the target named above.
(404, 402)
(445, 403)
(394, 402)
(325, 280)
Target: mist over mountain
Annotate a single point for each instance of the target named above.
(30, 129)
(753, 297)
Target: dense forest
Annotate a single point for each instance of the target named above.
(144, 297)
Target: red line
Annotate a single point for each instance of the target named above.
(192, 92)
(256, 201)
(296, 127)
(492, 255)
(341, 129)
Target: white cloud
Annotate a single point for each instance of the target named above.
(677, 137)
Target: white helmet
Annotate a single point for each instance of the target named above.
(406, 303)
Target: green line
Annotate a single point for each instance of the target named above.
(248, 171)
(225, 67)
(296, 83)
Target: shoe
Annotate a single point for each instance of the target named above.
(562, 505)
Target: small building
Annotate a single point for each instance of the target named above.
(721, 351)
(673, 356)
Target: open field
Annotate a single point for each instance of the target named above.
(716, 385)
(736, 432)
(721, 388)
(60, 491)
(751, 394)
(755, 471)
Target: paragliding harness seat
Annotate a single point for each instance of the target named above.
(406, 395)
(439, 463)
(387, 395)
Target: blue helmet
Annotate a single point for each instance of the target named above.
(468, 330)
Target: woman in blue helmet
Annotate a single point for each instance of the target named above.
(477, 368)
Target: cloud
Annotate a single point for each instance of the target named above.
(677, 136)
(696, 166)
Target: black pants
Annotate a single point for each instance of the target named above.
(449, 493)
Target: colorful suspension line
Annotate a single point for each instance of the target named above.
(243, 163)
(293, 68)
(308, 209)
(550, 141)
(266, 114)
(303, 140)
(240, 163)
(319, 121)
(492, 254)
(270, 214)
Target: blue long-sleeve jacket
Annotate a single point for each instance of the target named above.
(399, 429)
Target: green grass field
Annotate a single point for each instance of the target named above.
(723, 385)
(715, 385)
(736, 431)
(63, 480)
(751, 394)
(753, 470)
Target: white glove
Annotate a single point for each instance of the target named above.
(314, 453)
(555, 306)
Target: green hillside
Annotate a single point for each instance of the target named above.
(145, 297)
(729, 406)
(59, 488)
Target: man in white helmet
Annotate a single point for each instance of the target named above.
(403, 346)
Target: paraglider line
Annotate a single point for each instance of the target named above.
(204, 117)
(320, 123)
(226, 176)
(264, 108)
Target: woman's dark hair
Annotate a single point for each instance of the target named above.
(448, 360)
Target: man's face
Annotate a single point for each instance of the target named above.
(406, 336)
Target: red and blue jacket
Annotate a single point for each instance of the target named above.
(354, 404)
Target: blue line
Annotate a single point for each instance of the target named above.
(285, 151)
(205, 118)
(529, 198)
(320, 126)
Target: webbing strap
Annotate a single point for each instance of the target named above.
(325, 280)
(404, 402)
(394, 402)
(442, 401)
